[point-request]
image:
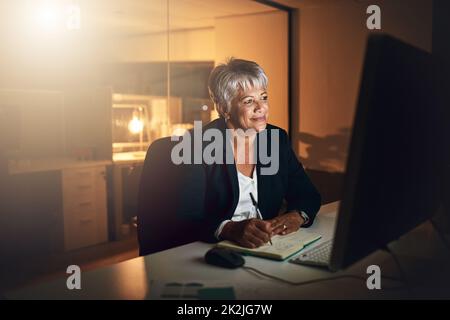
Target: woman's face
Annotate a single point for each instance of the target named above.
(250, 110)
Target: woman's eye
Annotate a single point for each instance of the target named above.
(264, 98)
(249, 101)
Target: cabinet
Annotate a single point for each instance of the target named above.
(84, 206)
(31, 220)
(54, 205)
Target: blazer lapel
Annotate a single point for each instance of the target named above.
(264, 181)
(230, 169)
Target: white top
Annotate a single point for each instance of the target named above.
(245, 208)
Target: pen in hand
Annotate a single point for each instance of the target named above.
(258, 213)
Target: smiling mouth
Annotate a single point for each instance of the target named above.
(259, 119)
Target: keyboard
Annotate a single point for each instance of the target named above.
(316, 256)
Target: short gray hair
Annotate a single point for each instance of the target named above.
(228, 79)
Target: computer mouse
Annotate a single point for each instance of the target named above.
(224, 258)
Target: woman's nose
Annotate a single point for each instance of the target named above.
(257, 105)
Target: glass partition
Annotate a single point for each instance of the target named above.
(87, 85)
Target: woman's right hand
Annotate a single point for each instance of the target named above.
(250, 233)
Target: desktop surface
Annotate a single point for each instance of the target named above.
(136, 278)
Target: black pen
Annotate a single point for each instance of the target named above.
(257, 211)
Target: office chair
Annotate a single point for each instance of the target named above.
(159, 223)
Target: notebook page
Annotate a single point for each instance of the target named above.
(283, 246)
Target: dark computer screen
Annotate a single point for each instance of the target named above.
(394, 162)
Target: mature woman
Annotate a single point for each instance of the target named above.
(217, 195)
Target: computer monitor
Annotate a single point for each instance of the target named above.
(394, 164)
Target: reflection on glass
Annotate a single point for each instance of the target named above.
(130, 126)
(144, 85)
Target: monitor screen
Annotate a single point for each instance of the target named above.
(394, 164)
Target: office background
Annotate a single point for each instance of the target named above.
(68, 90)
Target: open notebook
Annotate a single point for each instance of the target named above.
(282, 246)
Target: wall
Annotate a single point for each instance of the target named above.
(185, 45)
(88, 125)
(261, 38)
(39, 130)
(332, 36)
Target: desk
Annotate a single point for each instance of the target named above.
(132, 279)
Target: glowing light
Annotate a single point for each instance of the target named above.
(135, 125)
(52, 17)
(47, 17)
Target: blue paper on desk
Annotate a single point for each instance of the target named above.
(196, 290)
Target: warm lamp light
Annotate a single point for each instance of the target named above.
(47, 17)
(136, 125)
(53, 17)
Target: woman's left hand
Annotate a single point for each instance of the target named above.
(287, 223)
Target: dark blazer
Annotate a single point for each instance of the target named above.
(203, 195)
